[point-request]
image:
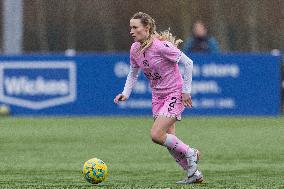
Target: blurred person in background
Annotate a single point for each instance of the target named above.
(200, 41)
(158, 57)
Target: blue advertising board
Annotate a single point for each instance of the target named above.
(229, 84)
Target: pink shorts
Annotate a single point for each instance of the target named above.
(169, 106)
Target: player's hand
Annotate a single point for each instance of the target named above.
(119, 97)
(186, 100)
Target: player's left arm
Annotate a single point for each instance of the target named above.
(173, 54)
(187, 79)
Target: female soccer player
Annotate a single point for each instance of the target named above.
(158, 57)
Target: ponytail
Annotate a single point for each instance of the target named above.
(166, 35)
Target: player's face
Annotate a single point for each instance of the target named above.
(138, 31)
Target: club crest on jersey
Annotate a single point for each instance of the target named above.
(37, 84)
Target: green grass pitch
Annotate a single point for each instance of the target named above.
(50, 152)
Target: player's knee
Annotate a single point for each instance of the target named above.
(156, 137)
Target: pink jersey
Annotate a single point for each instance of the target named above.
(159, 64)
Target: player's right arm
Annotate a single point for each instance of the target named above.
(130, 81)
(129, 84)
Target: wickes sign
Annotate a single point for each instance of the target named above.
(37, 84)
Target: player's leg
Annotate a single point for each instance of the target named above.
(180, 160)
(160, 127)
(172, 129)
(166, 111)
(197, 177)
(160, 136)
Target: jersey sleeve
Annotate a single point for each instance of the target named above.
(187, 75)
(170, 52)
(133, 62)
(132, 75)
(130, 81)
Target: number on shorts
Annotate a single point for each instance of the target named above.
(172, 104)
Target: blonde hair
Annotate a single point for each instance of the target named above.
(166, 35)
